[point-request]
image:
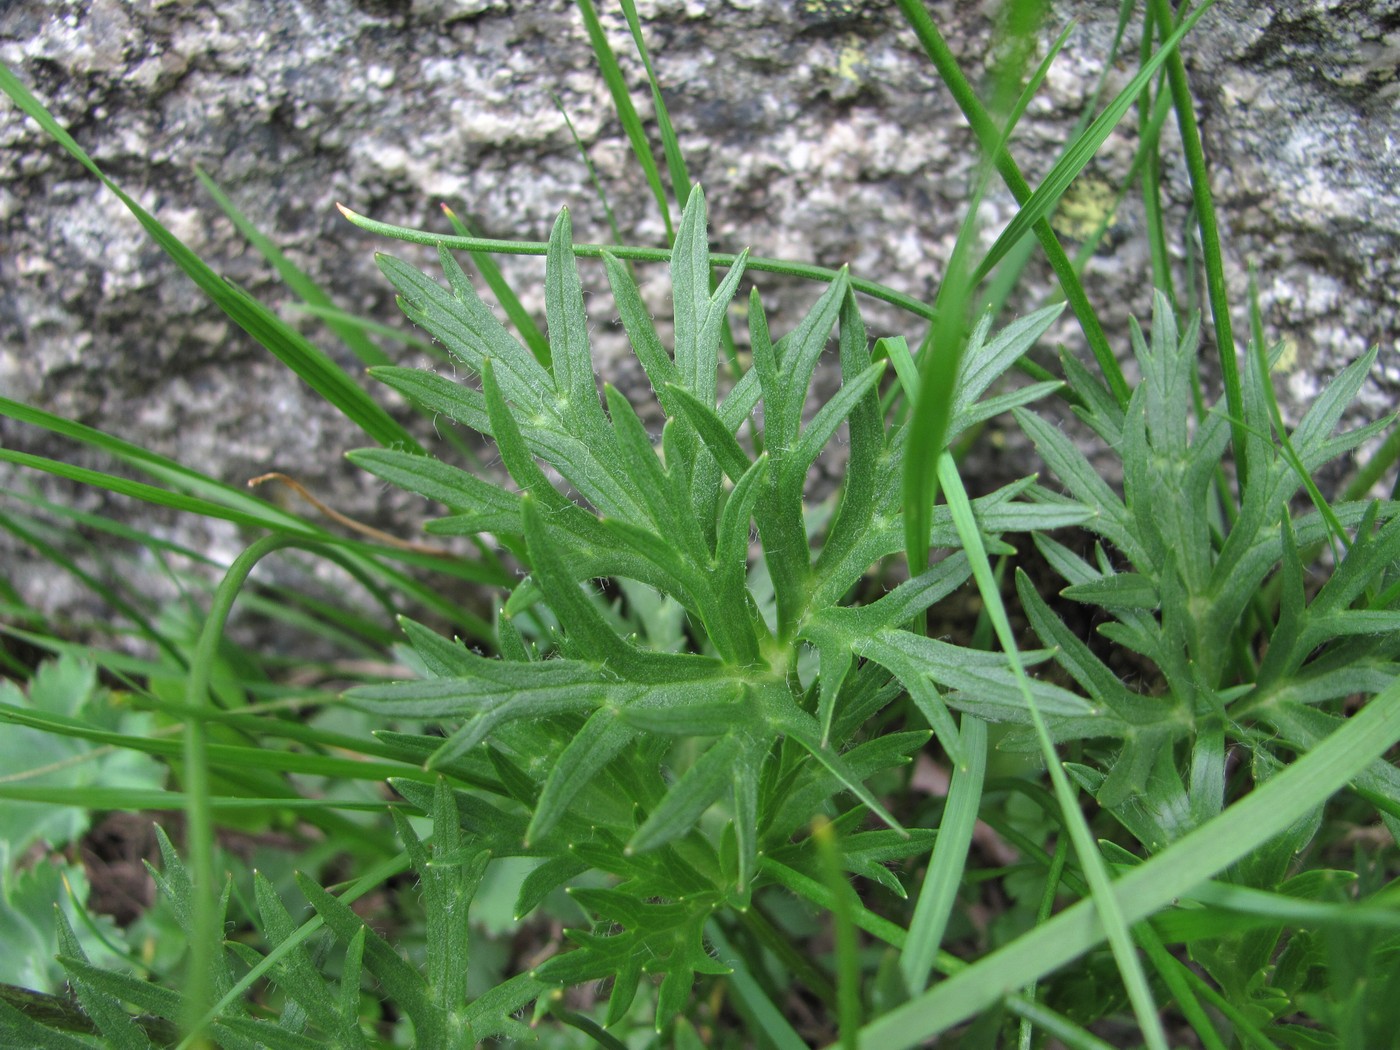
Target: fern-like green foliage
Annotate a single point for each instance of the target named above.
(577, 723)
(1182, 586)
(125, 1012)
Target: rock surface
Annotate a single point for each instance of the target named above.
(817, 127)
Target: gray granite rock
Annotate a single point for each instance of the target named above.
(817, 127)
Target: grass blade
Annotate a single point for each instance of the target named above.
(270, 331)
(1096, 873)
(945, 873)
(626, 111)
(1262, 814)
(351, 333)
(670, 145)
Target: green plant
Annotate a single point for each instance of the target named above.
(703, 694)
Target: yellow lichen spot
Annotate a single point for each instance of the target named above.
(1086, 205)
(848, 65)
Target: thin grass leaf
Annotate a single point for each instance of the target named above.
(114, 599)
(1082, 150)
(945, 873)
(350, 332)
(230, 756)
(1240, 829)
(242, 508)
(848, 975)
(993, 145)
(1106, 906)
(751, 997)
(265, 327)
(626, 111)
(1204, 208)
(670, 145)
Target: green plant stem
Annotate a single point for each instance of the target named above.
(1042, 916)
(207, 936)
(847, 964)
(1212, 256)
(1375, 467)
(1153, 217)
(767, 934)
(1171, 972)
(635, 253)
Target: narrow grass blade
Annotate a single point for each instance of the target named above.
(670, 145)
(283, 341)
(751, 998)
(56, 557)
(626, 111)
(848, 981)
(1204, 202)
(987, 132)
(351, 334)
(1096, 873)
(945, 872)
(1261, 815)
(1040, 203)
(592, 172)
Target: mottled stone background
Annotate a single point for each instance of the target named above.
(817, 128)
